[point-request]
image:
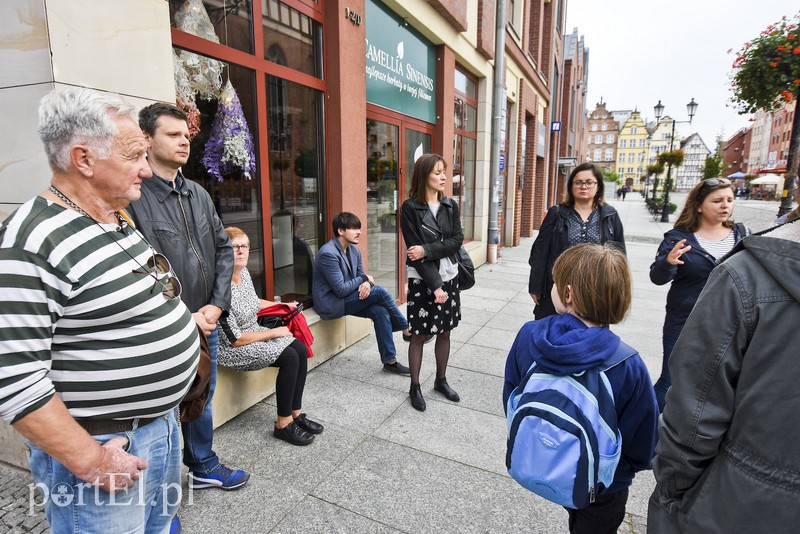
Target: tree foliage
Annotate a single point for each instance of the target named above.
(766, 71)
(713, 166)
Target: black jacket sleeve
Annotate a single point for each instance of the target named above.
(540, 252)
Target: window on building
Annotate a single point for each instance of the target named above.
(609, 138)
(609, 154)
(465, 148)
(514, 15)
(598, 139)
(630, 157)
(598, 154)
(605, 127)
(634, 129)
(594, 127)
(623, 143)
(220, 96)
(642, 143)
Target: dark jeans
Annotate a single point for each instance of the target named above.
(379, 306)
(665, 380)
(603, 516)
(198, 435)
(292, 367)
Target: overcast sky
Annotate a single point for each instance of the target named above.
(641, 51)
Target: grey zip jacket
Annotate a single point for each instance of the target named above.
(728, 457)
(183, 225)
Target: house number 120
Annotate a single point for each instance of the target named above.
(354, 17)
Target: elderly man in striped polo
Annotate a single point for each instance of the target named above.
(97, 350)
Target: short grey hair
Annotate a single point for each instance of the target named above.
(78, 116)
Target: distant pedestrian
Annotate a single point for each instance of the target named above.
(703, 233)
(592, 290)
(581, 217)
(728, 455)
(624, 191)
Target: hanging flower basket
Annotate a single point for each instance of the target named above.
(674, 158)
(655, 168)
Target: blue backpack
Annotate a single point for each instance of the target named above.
(563, 440)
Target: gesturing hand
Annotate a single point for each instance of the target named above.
(674, 256)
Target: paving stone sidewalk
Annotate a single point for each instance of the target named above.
(381, 466)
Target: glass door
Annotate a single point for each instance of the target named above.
(383, 146)
(417, 143)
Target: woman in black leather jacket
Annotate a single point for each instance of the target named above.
(582, 217)
(432, 232)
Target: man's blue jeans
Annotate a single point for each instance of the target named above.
(379, 306)
(198, 435)
(71, 505)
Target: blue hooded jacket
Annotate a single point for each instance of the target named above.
(564, 345)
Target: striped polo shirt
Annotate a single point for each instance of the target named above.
(81, 317)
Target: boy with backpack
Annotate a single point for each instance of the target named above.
(582, 413)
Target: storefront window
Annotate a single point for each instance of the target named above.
(228, 22)
(296, 171)
(223, 159)
(464, 145)
(292, 38)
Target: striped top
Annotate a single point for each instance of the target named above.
(77, 320)
(717, 248)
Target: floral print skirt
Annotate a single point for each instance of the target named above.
(427, 317)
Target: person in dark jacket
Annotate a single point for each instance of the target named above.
(592, 289)
(728, 457)
(178, 217)
(432, 232)
(703, 233)
(582, 217)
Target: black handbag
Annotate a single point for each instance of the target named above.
(276, 321)
(466, 270)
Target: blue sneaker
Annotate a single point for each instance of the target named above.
(175, 526)
(221, 477)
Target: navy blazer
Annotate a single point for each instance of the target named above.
(334, 279)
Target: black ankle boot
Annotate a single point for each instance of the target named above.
(416, 398)
(441, 385)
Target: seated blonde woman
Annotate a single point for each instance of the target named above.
(244, 345)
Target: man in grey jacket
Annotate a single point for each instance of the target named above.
(178, 217)
(728, 457)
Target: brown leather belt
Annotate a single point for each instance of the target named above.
(97, 427)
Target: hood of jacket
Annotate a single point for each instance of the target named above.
(776, 254)
(565, 345)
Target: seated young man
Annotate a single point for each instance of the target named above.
(341, 287)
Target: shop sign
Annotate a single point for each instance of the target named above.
(400, 65)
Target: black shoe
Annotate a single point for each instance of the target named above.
(416, 398)
(396, 368)
(312, 427)
(407, 338)
(441, 385)
(292, 433)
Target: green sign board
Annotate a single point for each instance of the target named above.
(400, 65)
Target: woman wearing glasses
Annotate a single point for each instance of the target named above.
(703, 233)
(246, 346)
(581, 217)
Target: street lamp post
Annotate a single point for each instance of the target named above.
(691, 109)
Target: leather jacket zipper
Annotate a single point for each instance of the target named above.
(431, 231)
(191, 242)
